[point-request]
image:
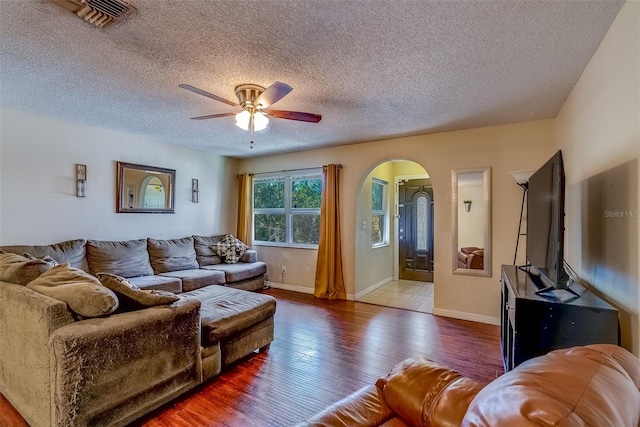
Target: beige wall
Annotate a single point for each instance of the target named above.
(504, 148)
(598, 130)
(380, 259)
(37, 184)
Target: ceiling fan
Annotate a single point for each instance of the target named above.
(255, 101)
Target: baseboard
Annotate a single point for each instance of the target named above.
(287, 287)
(297, 288)
(373, 287)
(466, 316)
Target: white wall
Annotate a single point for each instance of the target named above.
(37, 184)
(598, 130)
(504, 148)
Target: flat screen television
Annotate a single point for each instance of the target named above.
(545, 224)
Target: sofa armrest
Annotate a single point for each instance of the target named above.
(420, 391)
(249, 256)
(364, 408)
(112, 370)
(27, 319)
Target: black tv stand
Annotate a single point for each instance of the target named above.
(533, 324)
(543, 288)
(550, 289)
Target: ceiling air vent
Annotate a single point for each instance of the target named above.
(101, 13)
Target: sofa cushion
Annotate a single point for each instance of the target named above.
(82, 292)
(159, 283)
(363, 407)
(21, 270)
(579, 386)
(131, 296)
(240, 271)
(197, 278)
(249, 256)
(230, 249)
(71, 251)
(172, 255)
(127, 258)
(225, 311)
(205, 255)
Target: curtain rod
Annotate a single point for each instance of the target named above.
(339, 166)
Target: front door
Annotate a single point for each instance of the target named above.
(415, 229)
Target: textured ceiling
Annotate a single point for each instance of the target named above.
(373, 69)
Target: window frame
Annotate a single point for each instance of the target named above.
(384, 212)
(288, 210)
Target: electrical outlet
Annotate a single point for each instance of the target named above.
(284, 269)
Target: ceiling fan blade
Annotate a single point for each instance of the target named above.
(213, 116)
(207, 94)
(295, 115)
(273, 94)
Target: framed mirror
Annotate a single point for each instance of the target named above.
(144, 189)
(471, 221)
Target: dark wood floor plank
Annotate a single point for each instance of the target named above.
(323, 350)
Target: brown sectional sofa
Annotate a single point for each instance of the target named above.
(595, 385)
(60, 370)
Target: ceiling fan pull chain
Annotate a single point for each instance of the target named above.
(251, 130)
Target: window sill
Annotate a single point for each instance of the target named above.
(381, 245)
(285, 245)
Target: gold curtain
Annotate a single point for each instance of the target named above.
(329, 279)
(245, 203)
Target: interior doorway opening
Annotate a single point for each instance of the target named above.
(394, 236)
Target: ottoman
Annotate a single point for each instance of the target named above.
(237, 321)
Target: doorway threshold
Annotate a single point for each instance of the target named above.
(405, 294)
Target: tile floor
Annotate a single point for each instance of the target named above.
(407, 294)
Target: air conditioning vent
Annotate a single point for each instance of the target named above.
(101, 13)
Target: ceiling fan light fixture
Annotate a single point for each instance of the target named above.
(242, 119)
(260, 120)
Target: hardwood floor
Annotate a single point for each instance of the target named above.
(323, 351)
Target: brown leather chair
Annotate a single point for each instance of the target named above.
(471, 257)
(596, 385)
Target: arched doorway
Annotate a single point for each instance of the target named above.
(394, 237)
(152, 194)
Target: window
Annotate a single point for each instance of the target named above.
(286, 209)
(378, 212)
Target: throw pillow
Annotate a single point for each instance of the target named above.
(52, 262)
(131, 296)
(82, 292)
(230, 249)
(18, 269)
